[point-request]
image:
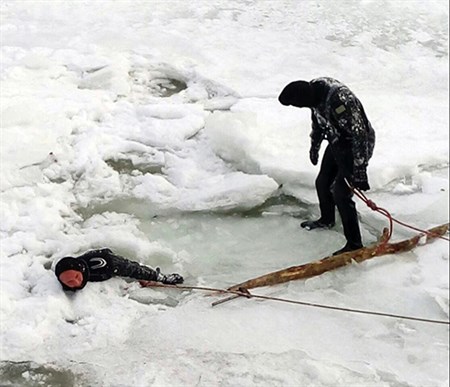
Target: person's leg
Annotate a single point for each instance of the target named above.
(324, 181)
(349, 216)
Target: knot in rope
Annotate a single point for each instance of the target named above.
(371, 204)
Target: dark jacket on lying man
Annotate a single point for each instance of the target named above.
(101, 265)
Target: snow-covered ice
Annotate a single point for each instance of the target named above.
(153, 128)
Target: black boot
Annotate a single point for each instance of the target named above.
(348, 247)
(313, 224)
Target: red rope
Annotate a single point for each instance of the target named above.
(386, 213)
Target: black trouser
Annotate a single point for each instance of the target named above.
(332, 191)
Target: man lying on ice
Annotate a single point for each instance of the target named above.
(103, 264)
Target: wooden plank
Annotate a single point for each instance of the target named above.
(323, 265)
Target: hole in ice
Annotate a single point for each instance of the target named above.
(28, 374)
(156, 83)
(125, 166)
(143, 209)
(167, 87)
(222, 250)
(280, 205)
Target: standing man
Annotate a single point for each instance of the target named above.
(338, 116)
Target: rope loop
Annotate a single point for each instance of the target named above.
(371, 204)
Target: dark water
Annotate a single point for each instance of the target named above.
(29, 374)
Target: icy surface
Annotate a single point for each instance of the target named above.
(153, 128)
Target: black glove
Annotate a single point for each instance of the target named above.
(359, 180)
(171, 279)
(314, 155)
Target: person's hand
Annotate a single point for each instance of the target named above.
(173, 279)
(359, 180)
(361, 185)
(314, 155)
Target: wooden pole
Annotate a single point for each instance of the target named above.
(333, 262)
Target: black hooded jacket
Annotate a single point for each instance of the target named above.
(340, 118)
(103, 264)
